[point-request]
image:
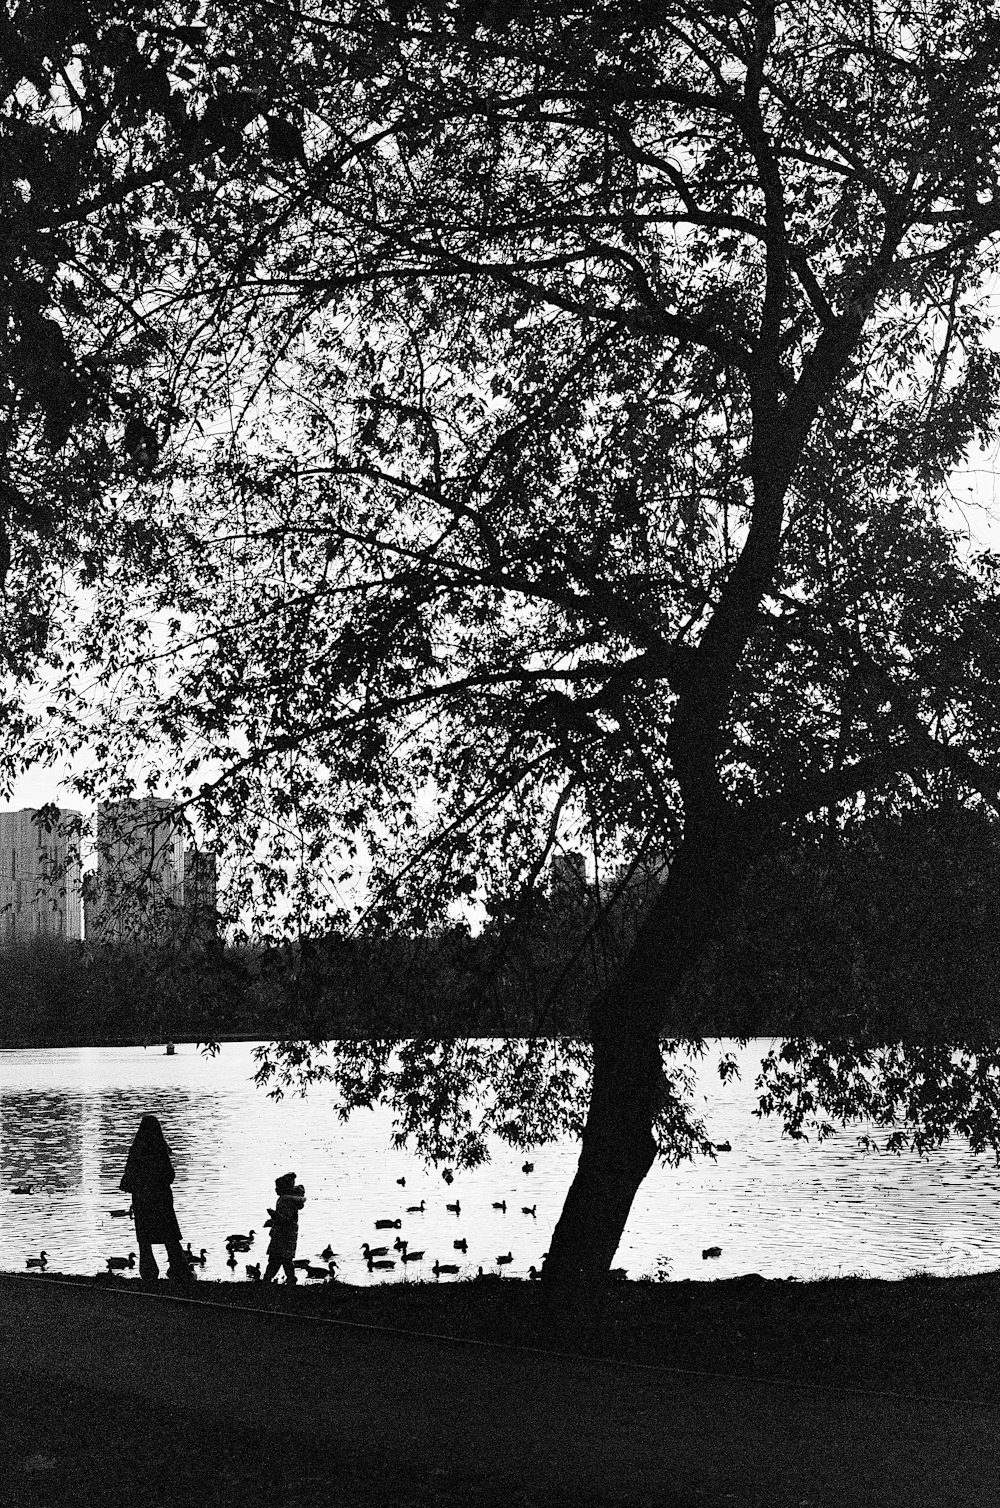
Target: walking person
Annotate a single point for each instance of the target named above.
(147, 1177)
(284, 1223)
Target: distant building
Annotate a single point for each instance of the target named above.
(199, 891)
(568, 874)
(147, 886)
(40, 888)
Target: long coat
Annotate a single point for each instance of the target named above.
(147, 1177)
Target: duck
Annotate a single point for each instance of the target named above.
(253, 1272)
(374, 1251)
(302, 1264)
(533, 1275)
(505, 1261)
(485, 1277)
(447, 1175)
(723, 1146)
(22, 1188)
(119, 1214)
(462, 1245)
(528, 1209)
(401, 1182)
(411, 1256)
(455, 1208)
(231, 1259)
(416, 1209)
(440, 1267)
(400, 1244)
(321, 1272)
(501, 1205)
(328, 1253)
(199, 1259)
(40, 1261)
(388, 1224)
(527, 1167)
(382, 1266)
(118, 1264)
(711, 1251)
(237, 1239)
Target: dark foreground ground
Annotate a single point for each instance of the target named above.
(834, 1394)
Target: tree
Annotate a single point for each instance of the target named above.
(885, 930)
(601, 372)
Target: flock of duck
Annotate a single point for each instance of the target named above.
(376, 1258)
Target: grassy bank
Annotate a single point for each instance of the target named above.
(927, 1335)
(919, 1338)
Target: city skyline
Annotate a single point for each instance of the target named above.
(145, 883)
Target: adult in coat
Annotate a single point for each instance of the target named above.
(147, 1177)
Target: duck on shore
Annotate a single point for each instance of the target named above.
(119, 1264)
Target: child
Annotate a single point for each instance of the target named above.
(284, 1223)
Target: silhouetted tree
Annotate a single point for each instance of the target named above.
(601, 372)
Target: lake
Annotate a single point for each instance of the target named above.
(774, 1206)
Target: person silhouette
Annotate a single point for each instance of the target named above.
(147, 1177)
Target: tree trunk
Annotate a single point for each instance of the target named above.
(618, 1145)
(617, 1153)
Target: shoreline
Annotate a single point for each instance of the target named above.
(863, 1328)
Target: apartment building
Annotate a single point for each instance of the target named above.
(148, 887)
(40, 885)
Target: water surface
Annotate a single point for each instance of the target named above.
(775, 1206)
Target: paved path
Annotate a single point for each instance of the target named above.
(605, 1430)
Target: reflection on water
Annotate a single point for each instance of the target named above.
(775, 1206)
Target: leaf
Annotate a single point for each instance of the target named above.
(285, 141)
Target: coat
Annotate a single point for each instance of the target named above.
(147, 1177)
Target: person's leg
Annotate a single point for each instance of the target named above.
(273, 1263)
(148, 1269)
(179, 1267)
(291, 1276)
